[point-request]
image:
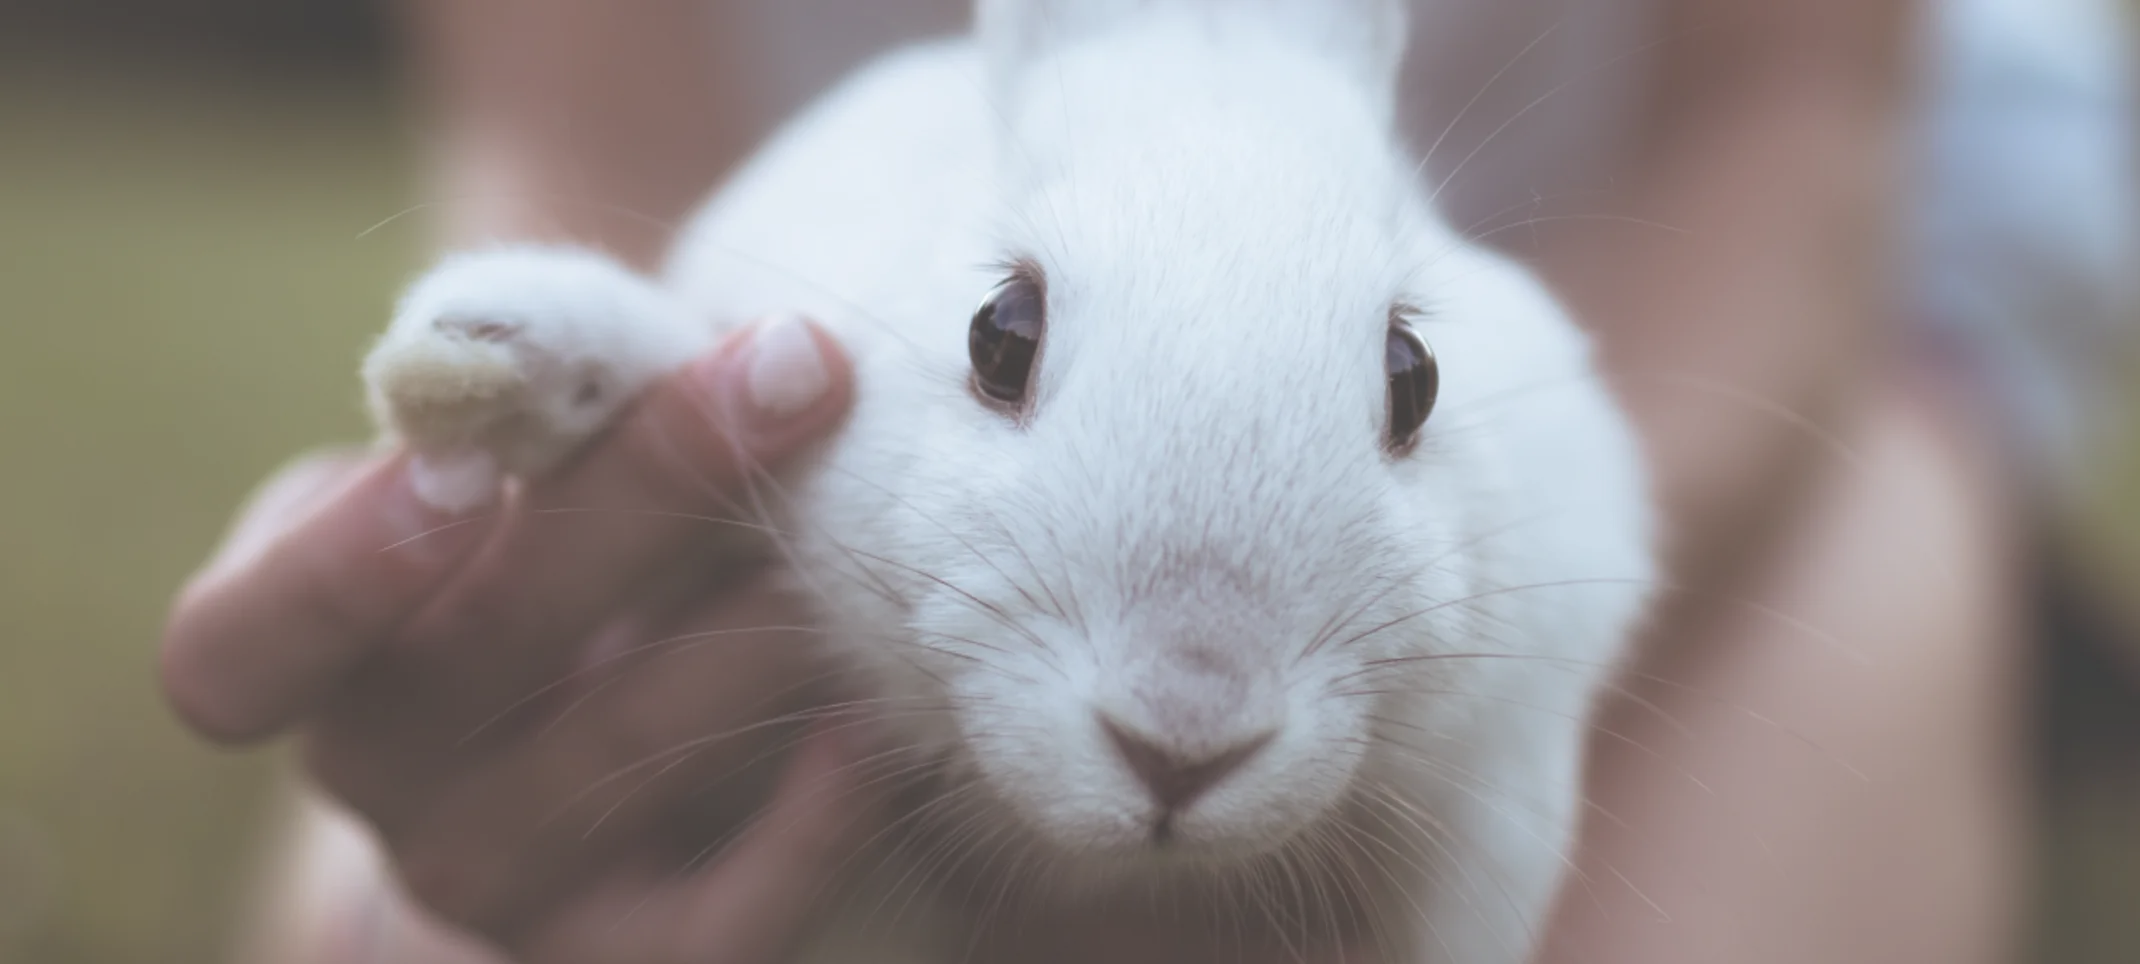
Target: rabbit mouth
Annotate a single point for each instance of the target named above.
(998, 849)
(1124, 838)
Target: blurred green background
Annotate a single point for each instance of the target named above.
(184, 293)
(182, 298)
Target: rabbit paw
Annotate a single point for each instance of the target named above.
(503, 362)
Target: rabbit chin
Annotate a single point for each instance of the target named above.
(1075, 864)
(1095, 830)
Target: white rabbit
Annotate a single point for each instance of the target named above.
(1152, 552)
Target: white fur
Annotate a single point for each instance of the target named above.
(505, 360)
(1200, 493)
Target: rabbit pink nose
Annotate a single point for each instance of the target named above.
(1174, 779)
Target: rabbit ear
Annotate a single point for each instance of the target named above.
(1029, 28)
(1365, 35)
(1015, 34)
(1368, 35)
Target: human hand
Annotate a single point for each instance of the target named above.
(530, 705)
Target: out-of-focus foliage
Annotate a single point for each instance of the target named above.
(183, 298)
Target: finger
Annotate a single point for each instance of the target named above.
(670, 478)
(329, 558)
(293, 492)
(683, 723)
(753, 902)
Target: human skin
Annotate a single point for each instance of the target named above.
(1772, 142)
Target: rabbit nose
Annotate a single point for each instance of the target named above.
(1176, 779)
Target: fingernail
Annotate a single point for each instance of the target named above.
(457, 484)
(430, 512)
(787, 372)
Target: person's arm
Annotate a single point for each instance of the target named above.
(1773, 142)
(1756, 794)
(599, 121)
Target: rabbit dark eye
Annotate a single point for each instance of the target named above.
(1414, 381)
(1005, 338)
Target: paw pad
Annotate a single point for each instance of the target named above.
(478, 329)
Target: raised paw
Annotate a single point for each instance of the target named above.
(501, 362)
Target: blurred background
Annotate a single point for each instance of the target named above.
(187, 277)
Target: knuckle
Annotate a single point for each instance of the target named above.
(490, 622)
(405, 568)
(330, 621)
